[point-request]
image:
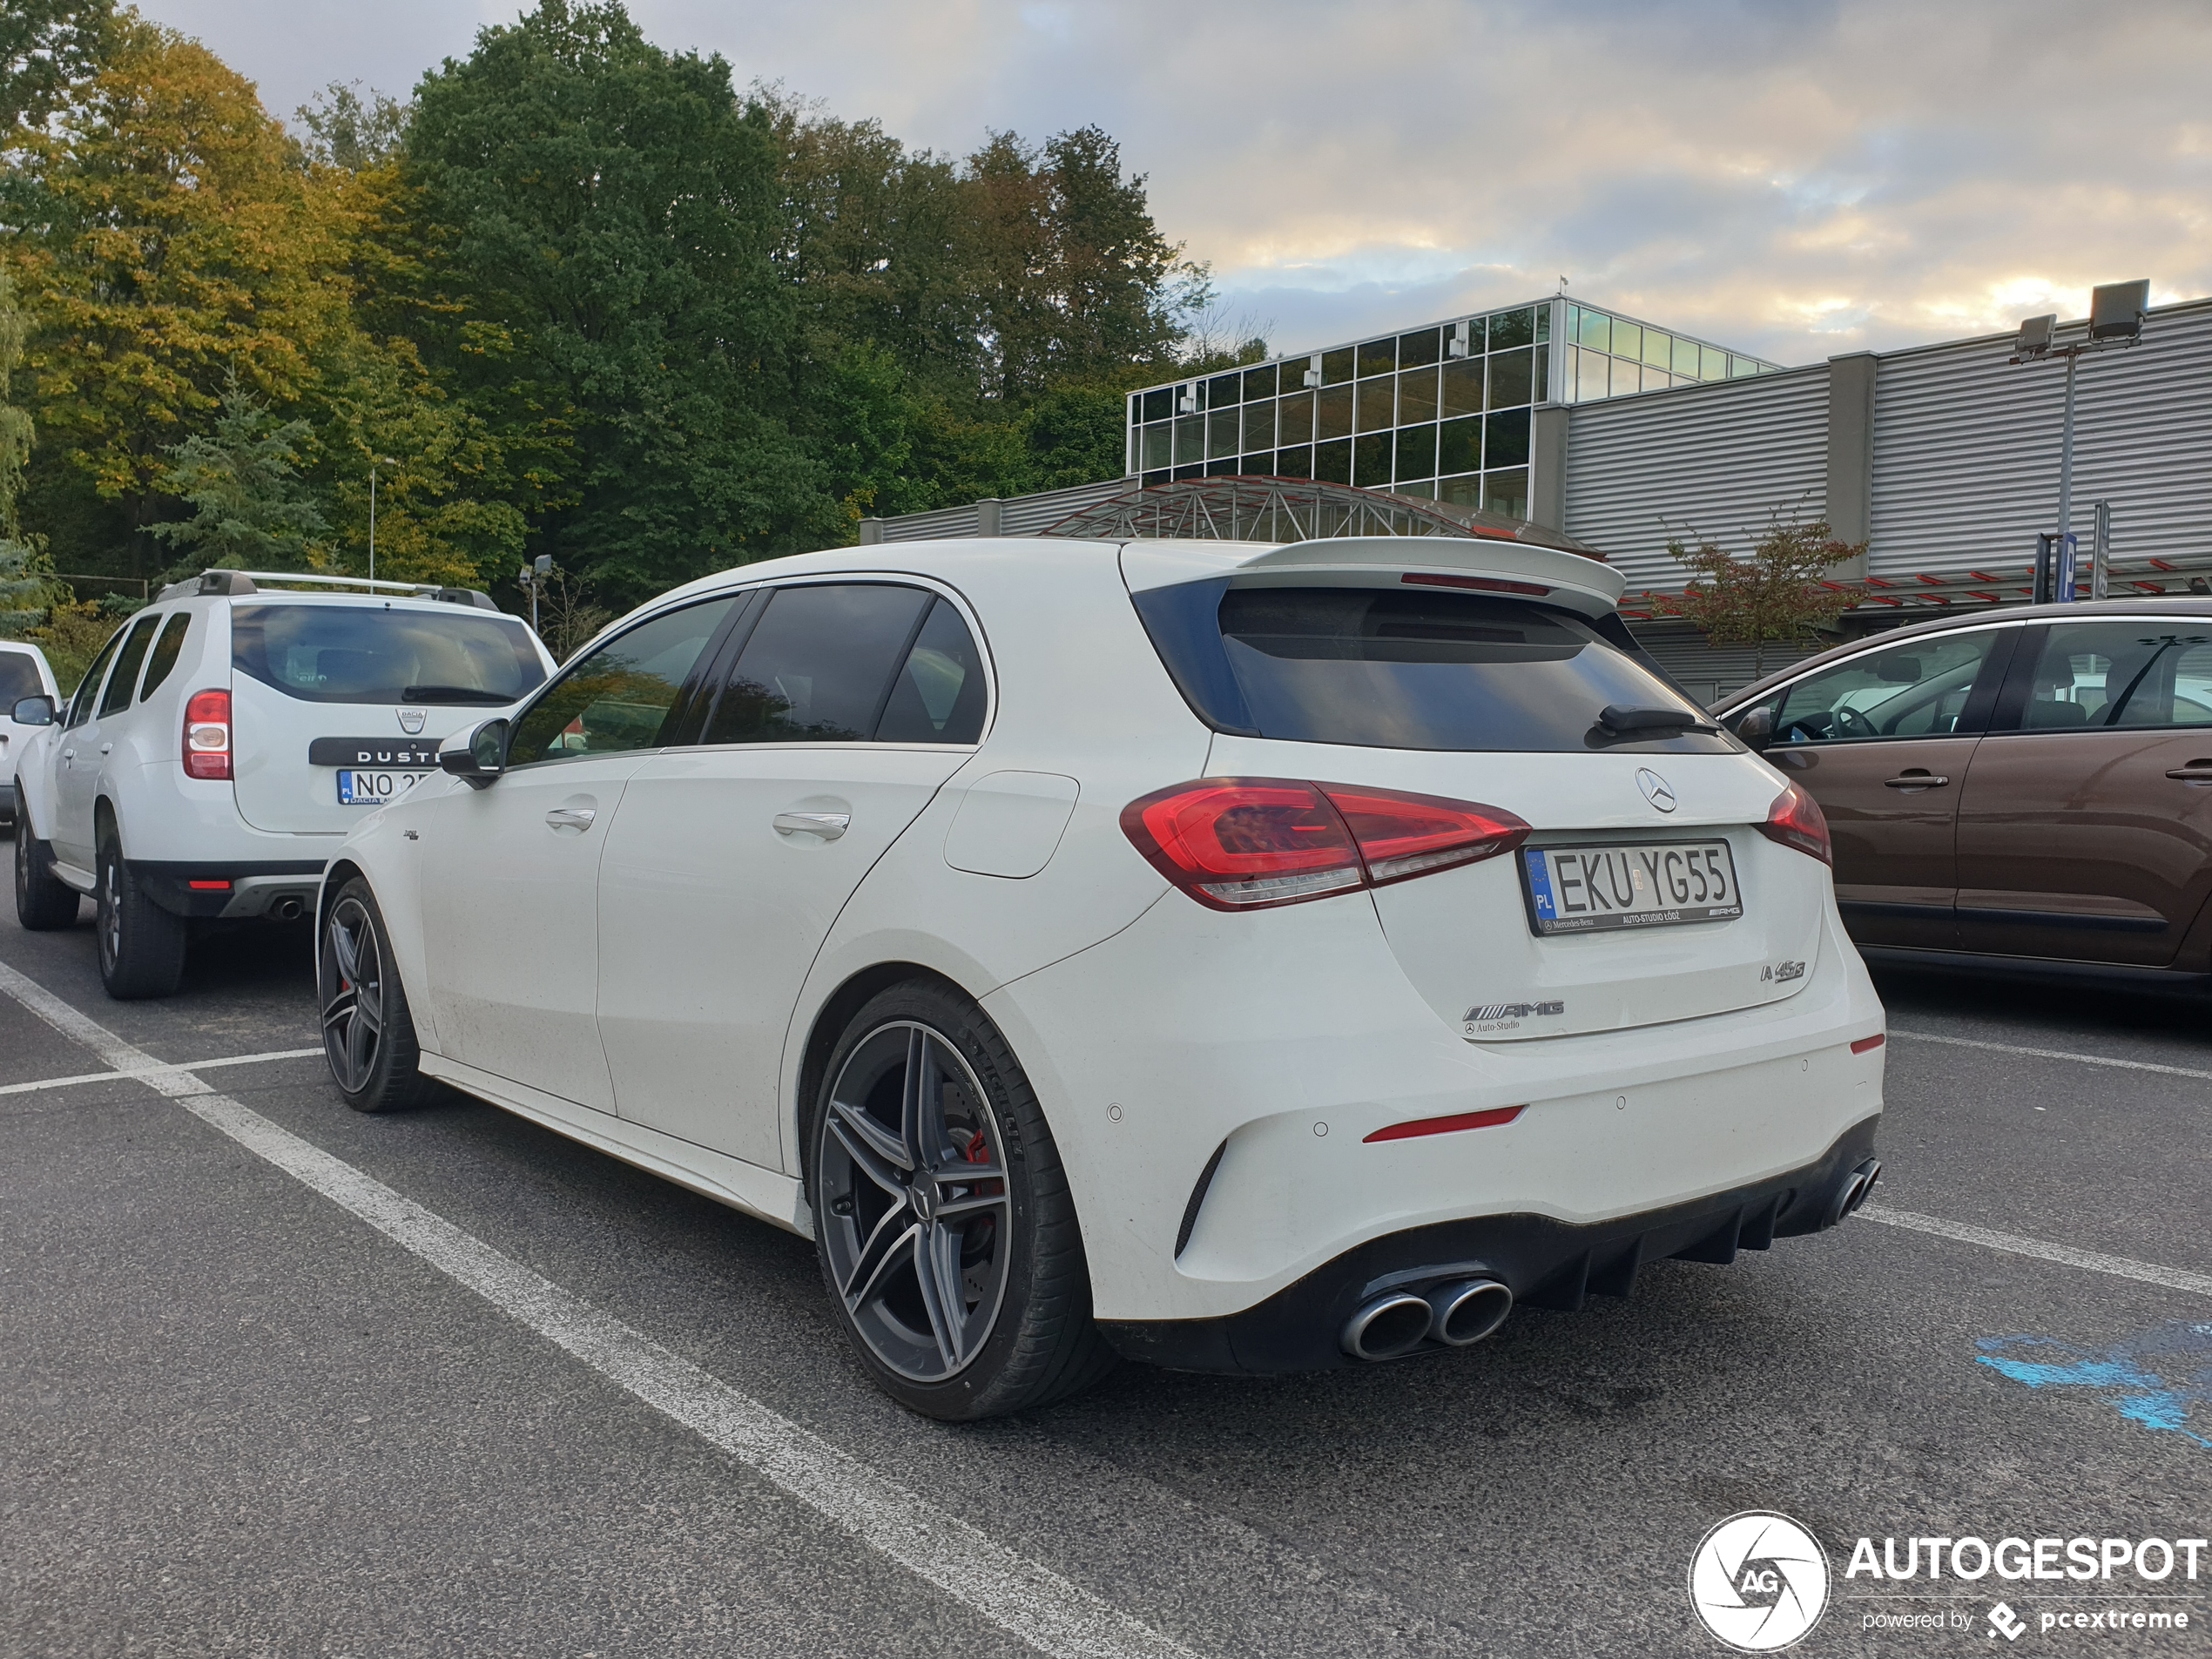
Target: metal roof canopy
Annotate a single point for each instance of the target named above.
(1249, 507)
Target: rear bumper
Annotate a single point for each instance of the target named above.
(251, 888)
(1545, 1262)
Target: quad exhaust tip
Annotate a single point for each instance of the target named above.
(1456, 1314)
(1855, 1190)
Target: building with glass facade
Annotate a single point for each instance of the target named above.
(1439, 412)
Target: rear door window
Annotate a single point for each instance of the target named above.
(2131, 674)
(166, 651)
(117, 695)
(1404, 669)
(370, 653)
(818, 666)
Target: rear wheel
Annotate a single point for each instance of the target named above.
(368, 1033)
(942, 1216)
(142, 946)
(43, 902)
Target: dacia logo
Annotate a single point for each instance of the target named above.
(1486, 1011)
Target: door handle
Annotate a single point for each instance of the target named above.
(828, 826)
(571, 818)
(68, 754)
(106, 748)
(1916, 781)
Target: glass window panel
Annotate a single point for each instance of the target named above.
(1158, 477)
(1597, 332)
(1336, 366)
(1193, 469)
(1573, 323)
(1224, 389)
(1296, 461)
(1512, 378)
(1654, 379)
(1460, 446)
(1461, 492)
(1507, 492)
(1916, 689)
(619, 695)
(1543, 324)
(1416, 452)
(1414, 351)
(1628, 339)
(1686, 357)
(1221, 433)
(1539, 380)
(126, 678)
(1370, 461)
(1712, 363)
(1332, 461)
(1260, 383)
(1159, 445)
(165, 652)
(1259, 427)
(1658, 348)
(1296, 425)
(1226, 467)
(1377, 357)
(1505, 439)
(1378, 404)
(1189, 439)
(1420, 490)
(1478, 335)
(1417, 396)
(1462, 392)
(1333, 413)
(1627, 377)
(1739, 367)
(818, 665)
(1257, 464)
(938, 697)
(1510, 329)
(1158, 406)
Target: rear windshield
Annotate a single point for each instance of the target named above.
(358, 653)
(18, 678)
(1390, 669)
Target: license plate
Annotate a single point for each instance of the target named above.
(376, 788)
(1660, 884)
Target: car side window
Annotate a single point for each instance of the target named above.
(938, 696)
(124, 680)
(818, 665)
(80, 700)
(1917, 688)
(619, 697)
(2119, 674)
(166, 651)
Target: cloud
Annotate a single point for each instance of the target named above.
(1793, 178)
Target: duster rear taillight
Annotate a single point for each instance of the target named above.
(1249, 843)
(207, 735)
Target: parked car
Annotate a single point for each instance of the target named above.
(23, 672)
(224, 740)
(2026, 790)
(1242, 957)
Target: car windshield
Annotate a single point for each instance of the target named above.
(1400, 668)
(359, 653)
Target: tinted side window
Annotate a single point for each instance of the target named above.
(167, 649)
(619, 697)
(938, 697)
(18, 678)
(2121, 674)
(1917, 688)
(818, 666)
(80, 700)
(126, 666)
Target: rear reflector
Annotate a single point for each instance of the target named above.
(209, 887)
(1249, 843)
(1479, 584)
(1867, 1045)
(1490, 1119)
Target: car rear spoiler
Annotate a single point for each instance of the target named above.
(1480, 564)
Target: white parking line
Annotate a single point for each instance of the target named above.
(1022, 1596)
(2051, 1054)
(194, 1065)
(2175, 1278)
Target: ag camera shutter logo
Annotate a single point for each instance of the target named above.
(1759, 1582)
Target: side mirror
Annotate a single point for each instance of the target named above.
(480, 757)
(33, 711)
(1756, 728)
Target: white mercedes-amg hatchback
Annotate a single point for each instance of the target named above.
(1239, 957)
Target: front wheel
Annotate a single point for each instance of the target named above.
(43, 902)
(368, 1033)
(142, 946)
(942, 1216)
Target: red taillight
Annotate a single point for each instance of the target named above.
(209, 887)
(1794, 819)
(1247, 843)
(1456, 1122)
(207, 735)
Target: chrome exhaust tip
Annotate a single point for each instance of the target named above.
(287, 910)
(1467, 1310)
(1854, 1191)
(1388, 1326)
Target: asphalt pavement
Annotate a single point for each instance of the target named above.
(280, 1378)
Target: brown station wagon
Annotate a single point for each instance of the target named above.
(2027, 790)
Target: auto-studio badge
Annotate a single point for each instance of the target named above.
(1759, 1582)
(411, 720)
(1656, 789)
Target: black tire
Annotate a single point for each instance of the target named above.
(367, 1032)
(44, 903)
(1037, 1342)
(142, 946)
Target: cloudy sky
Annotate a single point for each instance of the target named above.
(1792, 179)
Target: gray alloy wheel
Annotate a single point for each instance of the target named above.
(917, 1224)
(352, 983)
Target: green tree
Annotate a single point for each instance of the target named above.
(47, 47)
(1783, 592)
(351, 132)
(24, 584)
(250, 509)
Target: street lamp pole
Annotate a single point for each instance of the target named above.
(2116, 313)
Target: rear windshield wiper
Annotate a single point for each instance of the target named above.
(452, 694)
(1622, 718)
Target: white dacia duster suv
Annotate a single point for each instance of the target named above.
(226, 738)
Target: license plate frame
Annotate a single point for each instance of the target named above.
(1554, 911)
(349, 795)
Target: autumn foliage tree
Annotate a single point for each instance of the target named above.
(1782, 592)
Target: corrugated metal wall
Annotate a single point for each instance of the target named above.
(1022, 516)
(1719, 459)
(1710, 673)
(1966, 449)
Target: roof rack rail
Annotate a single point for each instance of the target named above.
(237, 583)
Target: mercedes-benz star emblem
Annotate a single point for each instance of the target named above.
(1656, 789)
(411, 720)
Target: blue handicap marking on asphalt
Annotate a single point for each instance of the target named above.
(2160, 1377)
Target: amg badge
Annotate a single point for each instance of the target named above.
(1508, 1017)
